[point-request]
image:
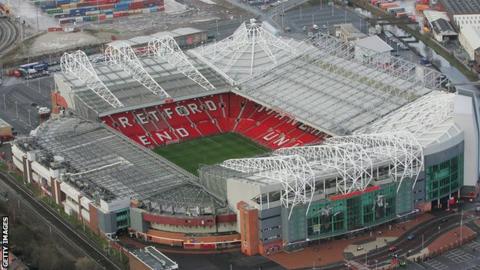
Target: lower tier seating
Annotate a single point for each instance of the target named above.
(211, 115)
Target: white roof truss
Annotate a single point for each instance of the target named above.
(124, 56)
(292, 172)
(78, 65)
(166, 47)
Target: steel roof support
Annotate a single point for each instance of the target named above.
(78, 65)
(348, 160)
(167, 48)
(246, 39)
(402, 149)
(124, 56)
(293, 172)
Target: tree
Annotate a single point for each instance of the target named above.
(85, 263)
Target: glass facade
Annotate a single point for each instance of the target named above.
(329, 218)
(444, 178)
(123, 219)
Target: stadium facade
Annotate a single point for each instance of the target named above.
(356, 141)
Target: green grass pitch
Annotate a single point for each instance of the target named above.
(209, 150)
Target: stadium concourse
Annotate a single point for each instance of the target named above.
(354, 141)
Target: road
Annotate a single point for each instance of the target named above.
(18, 101)
(428, 229)
(65, 230)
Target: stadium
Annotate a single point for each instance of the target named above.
(255, 141)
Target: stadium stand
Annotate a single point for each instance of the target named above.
(211, 115)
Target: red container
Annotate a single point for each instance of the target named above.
(136, 5)
(107, 6)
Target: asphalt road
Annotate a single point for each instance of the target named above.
(65, 230)
(320, 15)
(223, 261)
(428, 229)
(17, 97)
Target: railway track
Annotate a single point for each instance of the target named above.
(9, 34)
(68, 233)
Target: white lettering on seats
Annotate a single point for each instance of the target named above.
(281, 140)
(141, 117)
(194, 108)
(124, 121)
(165, 136)
(144, 140)
(211, 105)
(168, 112)
(270, 136)
(182, 132)
(182, 110)
(153, 114)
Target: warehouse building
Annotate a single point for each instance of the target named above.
(463, 12)
(470, 40)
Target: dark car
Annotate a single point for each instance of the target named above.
(411, 236)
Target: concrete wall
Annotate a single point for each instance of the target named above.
(248, 191)
(136, 220)
(107, 222)
(465, 118)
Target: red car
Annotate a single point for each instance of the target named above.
(392, 249)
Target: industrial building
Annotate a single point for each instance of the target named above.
(470, 40)
(439, 24)
(355, 141)
(463, 12)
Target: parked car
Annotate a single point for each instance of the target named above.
(411, 236)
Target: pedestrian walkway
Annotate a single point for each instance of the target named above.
(361, 249)
(444, 240)
(333, 251)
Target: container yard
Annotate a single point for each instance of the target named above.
(79, 11)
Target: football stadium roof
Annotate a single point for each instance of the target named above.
(250, 50)
(127, 80)
(105, 164)
(429, 119)
(351, 161)
(323, 83)
(328, 88)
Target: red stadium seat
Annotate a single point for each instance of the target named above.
(210, 115)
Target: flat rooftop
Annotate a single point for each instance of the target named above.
(456, 7)
(154, 259)
(329, 89)
(100, 162)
